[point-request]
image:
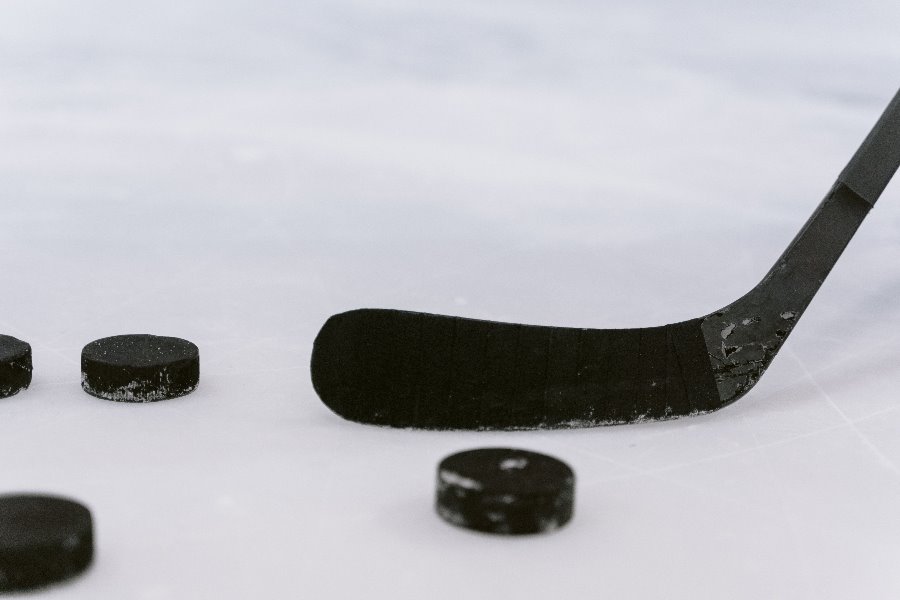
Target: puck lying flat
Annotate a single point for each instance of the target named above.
(43, 539)
(504, 490)
(140, 368)
(15, 366)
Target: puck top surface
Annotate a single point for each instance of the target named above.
(140, 350)
(12, 348)
(505, 490)
(502, 470)
(43, 539)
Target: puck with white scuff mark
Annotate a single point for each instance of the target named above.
(140, 368)
(43, 540)
(505, 491)
(15, 365)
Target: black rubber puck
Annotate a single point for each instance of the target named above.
(140, 368)
(43, 539)
(504, 490)
(15, 366)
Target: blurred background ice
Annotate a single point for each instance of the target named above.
(233, 172)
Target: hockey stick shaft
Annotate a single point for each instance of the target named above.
(743, 337)
(873, 165)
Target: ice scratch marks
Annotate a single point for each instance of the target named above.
(879, 456)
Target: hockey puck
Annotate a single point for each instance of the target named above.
(140, 368)
(15, 366)
(43, 540)
(504, 490)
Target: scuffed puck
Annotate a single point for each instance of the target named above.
(15, 366)
(504, 490)
(140, 368)
(43, 540)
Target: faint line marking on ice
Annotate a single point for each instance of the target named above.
(790, 524)
(640, 472)
(878, 454)
(657, 474)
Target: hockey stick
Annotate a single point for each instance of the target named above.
(407, 369)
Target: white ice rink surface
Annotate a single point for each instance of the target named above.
(234, 172)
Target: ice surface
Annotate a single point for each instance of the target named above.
(234, 172)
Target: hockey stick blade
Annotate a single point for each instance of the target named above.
(419, 370)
